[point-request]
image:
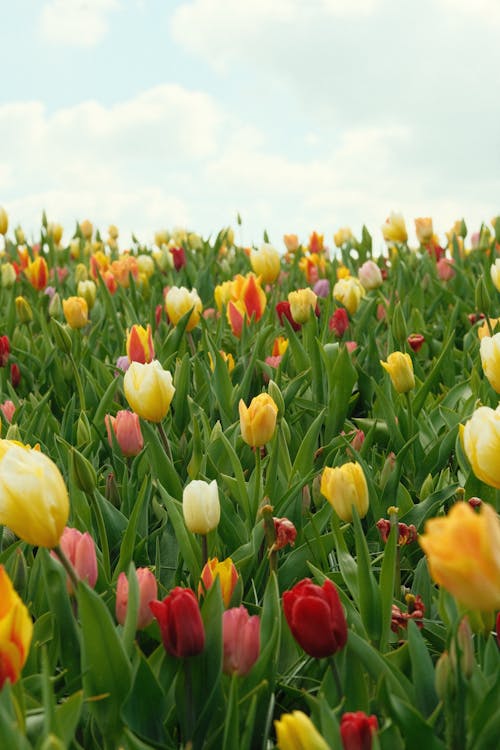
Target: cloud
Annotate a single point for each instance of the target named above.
(76, 23)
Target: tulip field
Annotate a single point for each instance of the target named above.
(249, 497)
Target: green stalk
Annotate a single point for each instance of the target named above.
(67, 566)
(103, 537)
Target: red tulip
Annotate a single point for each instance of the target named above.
(339, 322)
(180, 623)
(316, 618)
(357, 730)
(179, 257)
(15, 375)
(241, 636)
(283, 311)
(4, 350)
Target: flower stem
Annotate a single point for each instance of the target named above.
(67, 566)
(164, 440)
(336, 677)
(78, 381)
(204, 550)
(103, 537)
(258, 479)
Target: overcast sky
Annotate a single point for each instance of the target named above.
(298, 114)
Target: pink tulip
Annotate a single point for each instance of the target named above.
(148, 592)
(8, 408)
(80, 550)
(241, 637)
(127, 429)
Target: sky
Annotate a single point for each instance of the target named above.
(298, 115)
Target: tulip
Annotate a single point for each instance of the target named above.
(8, 408)
(86, 229)
(481, 442)
(316, 243)
(16, 630)
(266, 263)
(55, 231)
(179, 257)
(258, 421)
(357, 730)
(4, 221)
(4, 350)
(345, 486)
(280, 345)
(463, 554)
(76, 312)
(88, 290)
(490, 359)
(80, 550)
(222, 294)
(8, 275)
(225, 572)
(201, 506)
(445, 269)
(343, 235)
(339, 322)
(15, 375)
(146, 265)
(295, 731)
(228, 359)
(140, 346)
(148, 592)
(370, 275)
(322, 288)
(291, 242)
(394, 229)
(33, 497)
(315, 616)
(302, 303)
(495, 274)
(180, 623)
(247, 301)
(311, 266)
(285, 533)
(178, 302)
(37, 273)
(424, 230)
(349, 292)
(148, 389)
(283, 310)
(415, 341)
(127, 429)
(400, 368)
(241, 640)
(23, 310)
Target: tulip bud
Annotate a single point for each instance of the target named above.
(276, 395)
(8, 275)
(357, 730)
(344, 487)
(111, 492)
(84, 473)
(462, 643)
(76, 312)
(127, 429)
(55, 306)
(180, 623)
(23, 310)
(61, 335)
(148, 592)
(83, 435)
(88, 291)
(258, 421)
(80, 550)
(400, 368)
(4, 221)
(241, 640)
(443, 676)
(19, 235)
(200, 506)
(225, 572)
(398, 325)
(482, 297)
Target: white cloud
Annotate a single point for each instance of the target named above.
(77, 23)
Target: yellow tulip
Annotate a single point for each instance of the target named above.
(295, 731)
(481, 442)
(345, 486)
(88, 290)
(55, 231)
(4, 221)
(343, 235)
(179, 301)
(302, 304)
(225, 572)
(394, 229)
(266, 263)
(495, 274)
(33, 497)
(463, 554)
(76, 312)
(148, 389)
(490, 359)
(258, 421)
(16, 630)
(349, 291)
(400, 368)
(201, 506)
(424, 230)
(86, 229)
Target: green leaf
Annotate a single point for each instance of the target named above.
(386, 584)
(422, 670)
(369, 594)
(188, 546)
(143, 711)
(161, 464)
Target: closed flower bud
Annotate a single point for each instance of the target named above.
(178, 302)
(495, 274)
(200, 506)
(8, 408)
(349, 292)
(87, 289)
(37, 273)
(295, 731)
(225, 572)
(86, 229)
(370, 275)
(357, 730)
(23, 310)
(258, 421)
(83, 434)
(462, 552)
(4, 350)
(343, 235)
(443, 678)
(266, 263)
(400, 368)
(302, 304)
(146, 265)
(148, 592)
(148, 389)
(315, 617)
(424, 230)
(8, 275)
(462, 650)
(180, 623)
(4, 221)
(140, 346)
(55, 306)
(482, 297)
(394, 229)
(84, 473)
(481, 442)
(55, 231)
(398, 325)
(62, 336)
(127, 430)
(490, 359)
(75, 311)
(241, 640)
(344, 487)
(80, 550)
(16, 630)
(33, 497)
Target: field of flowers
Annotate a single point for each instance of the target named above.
(249, 496)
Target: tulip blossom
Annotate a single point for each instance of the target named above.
(315, 616)
(339, 322)
(4, 221)
(400, 368)
(76, 312)
(342, 235)
(312, 266)
(247, 302)
(295, 731)
(424, 230)
(416, 609)
(495, 274)
(127, 430)
(179, 301)
(16, 630)
(415, 341)
(8, 408)
(180, 623)
(291, 242)
(302, 304)
(37, 273)
(490, 359)
(283, 310)
(266, 263)
(370, 275)
(33, 497)
(148, 389)
(481, 442)
(80, 550)
(201, 506)
(225, 572)
(148, 592)
(315, 244)
(179, 257)
(349, 292)
(4, 350)
(463, 554)
(344, 487)
(241, 640)
(258, 421)
(285, 532)
(140, 346)
(357, 730)
(394, 229)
